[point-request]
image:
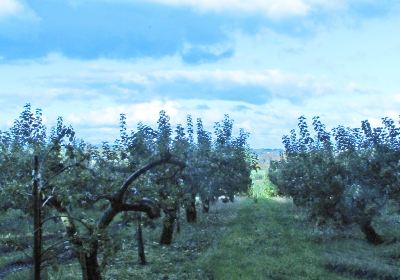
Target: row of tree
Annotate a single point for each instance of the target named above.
(145, 170)
(345, 176)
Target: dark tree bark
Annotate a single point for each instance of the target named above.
(370, 234)
(206, 205)
(88, 260)
(168, 227)
(191, 213)
(139, 233)
(178, 221)
(37, 221)
(225, 199)
(89, 263)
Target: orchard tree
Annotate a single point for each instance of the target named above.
(204, 167)
(345, 176)
(87, 187)
(233, 159)
(74, 176)
(26, 147)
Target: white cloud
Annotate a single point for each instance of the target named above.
(10, 7)
(56, 86)
(146, 112)
(58, 72)
(262, 78)
(276, 9)
(18, 9)
(269, 8)
(240, 77)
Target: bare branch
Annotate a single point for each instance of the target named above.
(97, 198)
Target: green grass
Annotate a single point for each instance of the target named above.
(178, 261)
(181, 260)
(266, 241)
(262, 186)
(269, 239)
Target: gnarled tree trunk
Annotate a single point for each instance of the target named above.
(191, 214)
(168, 227)
(370, 234)
(88, 258)
(178, 221)
(89, 263)
(206, 205)
(141, 254)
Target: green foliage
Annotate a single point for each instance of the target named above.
(26, 138)
(347, 179)
(82, 183)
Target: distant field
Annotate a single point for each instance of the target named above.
(262, 187)
(266, 155)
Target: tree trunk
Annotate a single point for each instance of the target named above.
(191, 214)
(168, 227)
(371, 235)
(178, 221)
(37, 221)
(141, 254)
(206, 205)
(89, 264)
(87, 260)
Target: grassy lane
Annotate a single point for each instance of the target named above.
(266, 241)
(247, 240)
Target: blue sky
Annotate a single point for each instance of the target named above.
(264, 62)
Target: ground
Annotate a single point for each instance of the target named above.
(267, 239)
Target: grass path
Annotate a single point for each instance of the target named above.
(254, 241)
(265, 241)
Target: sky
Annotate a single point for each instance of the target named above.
(263, 62)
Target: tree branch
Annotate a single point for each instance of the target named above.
(119, 195)
(146, 205)
(76, 164)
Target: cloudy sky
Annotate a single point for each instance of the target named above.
(264, 62)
